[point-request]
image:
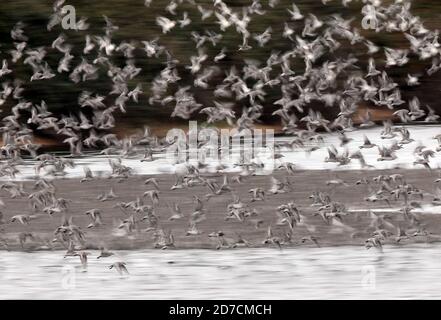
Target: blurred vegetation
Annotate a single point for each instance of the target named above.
(137, 23)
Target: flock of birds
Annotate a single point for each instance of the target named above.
(286, 224)
(335, 83)
(342, 83)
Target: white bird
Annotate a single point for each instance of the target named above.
(165, 23)
(4, 70)
(295, 13)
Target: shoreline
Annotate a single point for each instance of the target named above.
(94, 251)
(83, 197)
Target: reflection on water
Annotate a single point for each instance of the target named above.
(303, 273)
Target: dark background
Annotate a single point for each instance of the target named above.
(137, 23)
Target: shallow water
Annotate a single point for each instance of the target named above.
(405, 272)
(315, 161)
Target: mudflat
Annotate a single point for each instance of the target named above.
(354, 227)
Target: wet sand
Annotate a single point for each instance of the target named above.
(83, 197)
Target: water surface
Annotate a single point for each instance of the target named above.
(404, 272)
